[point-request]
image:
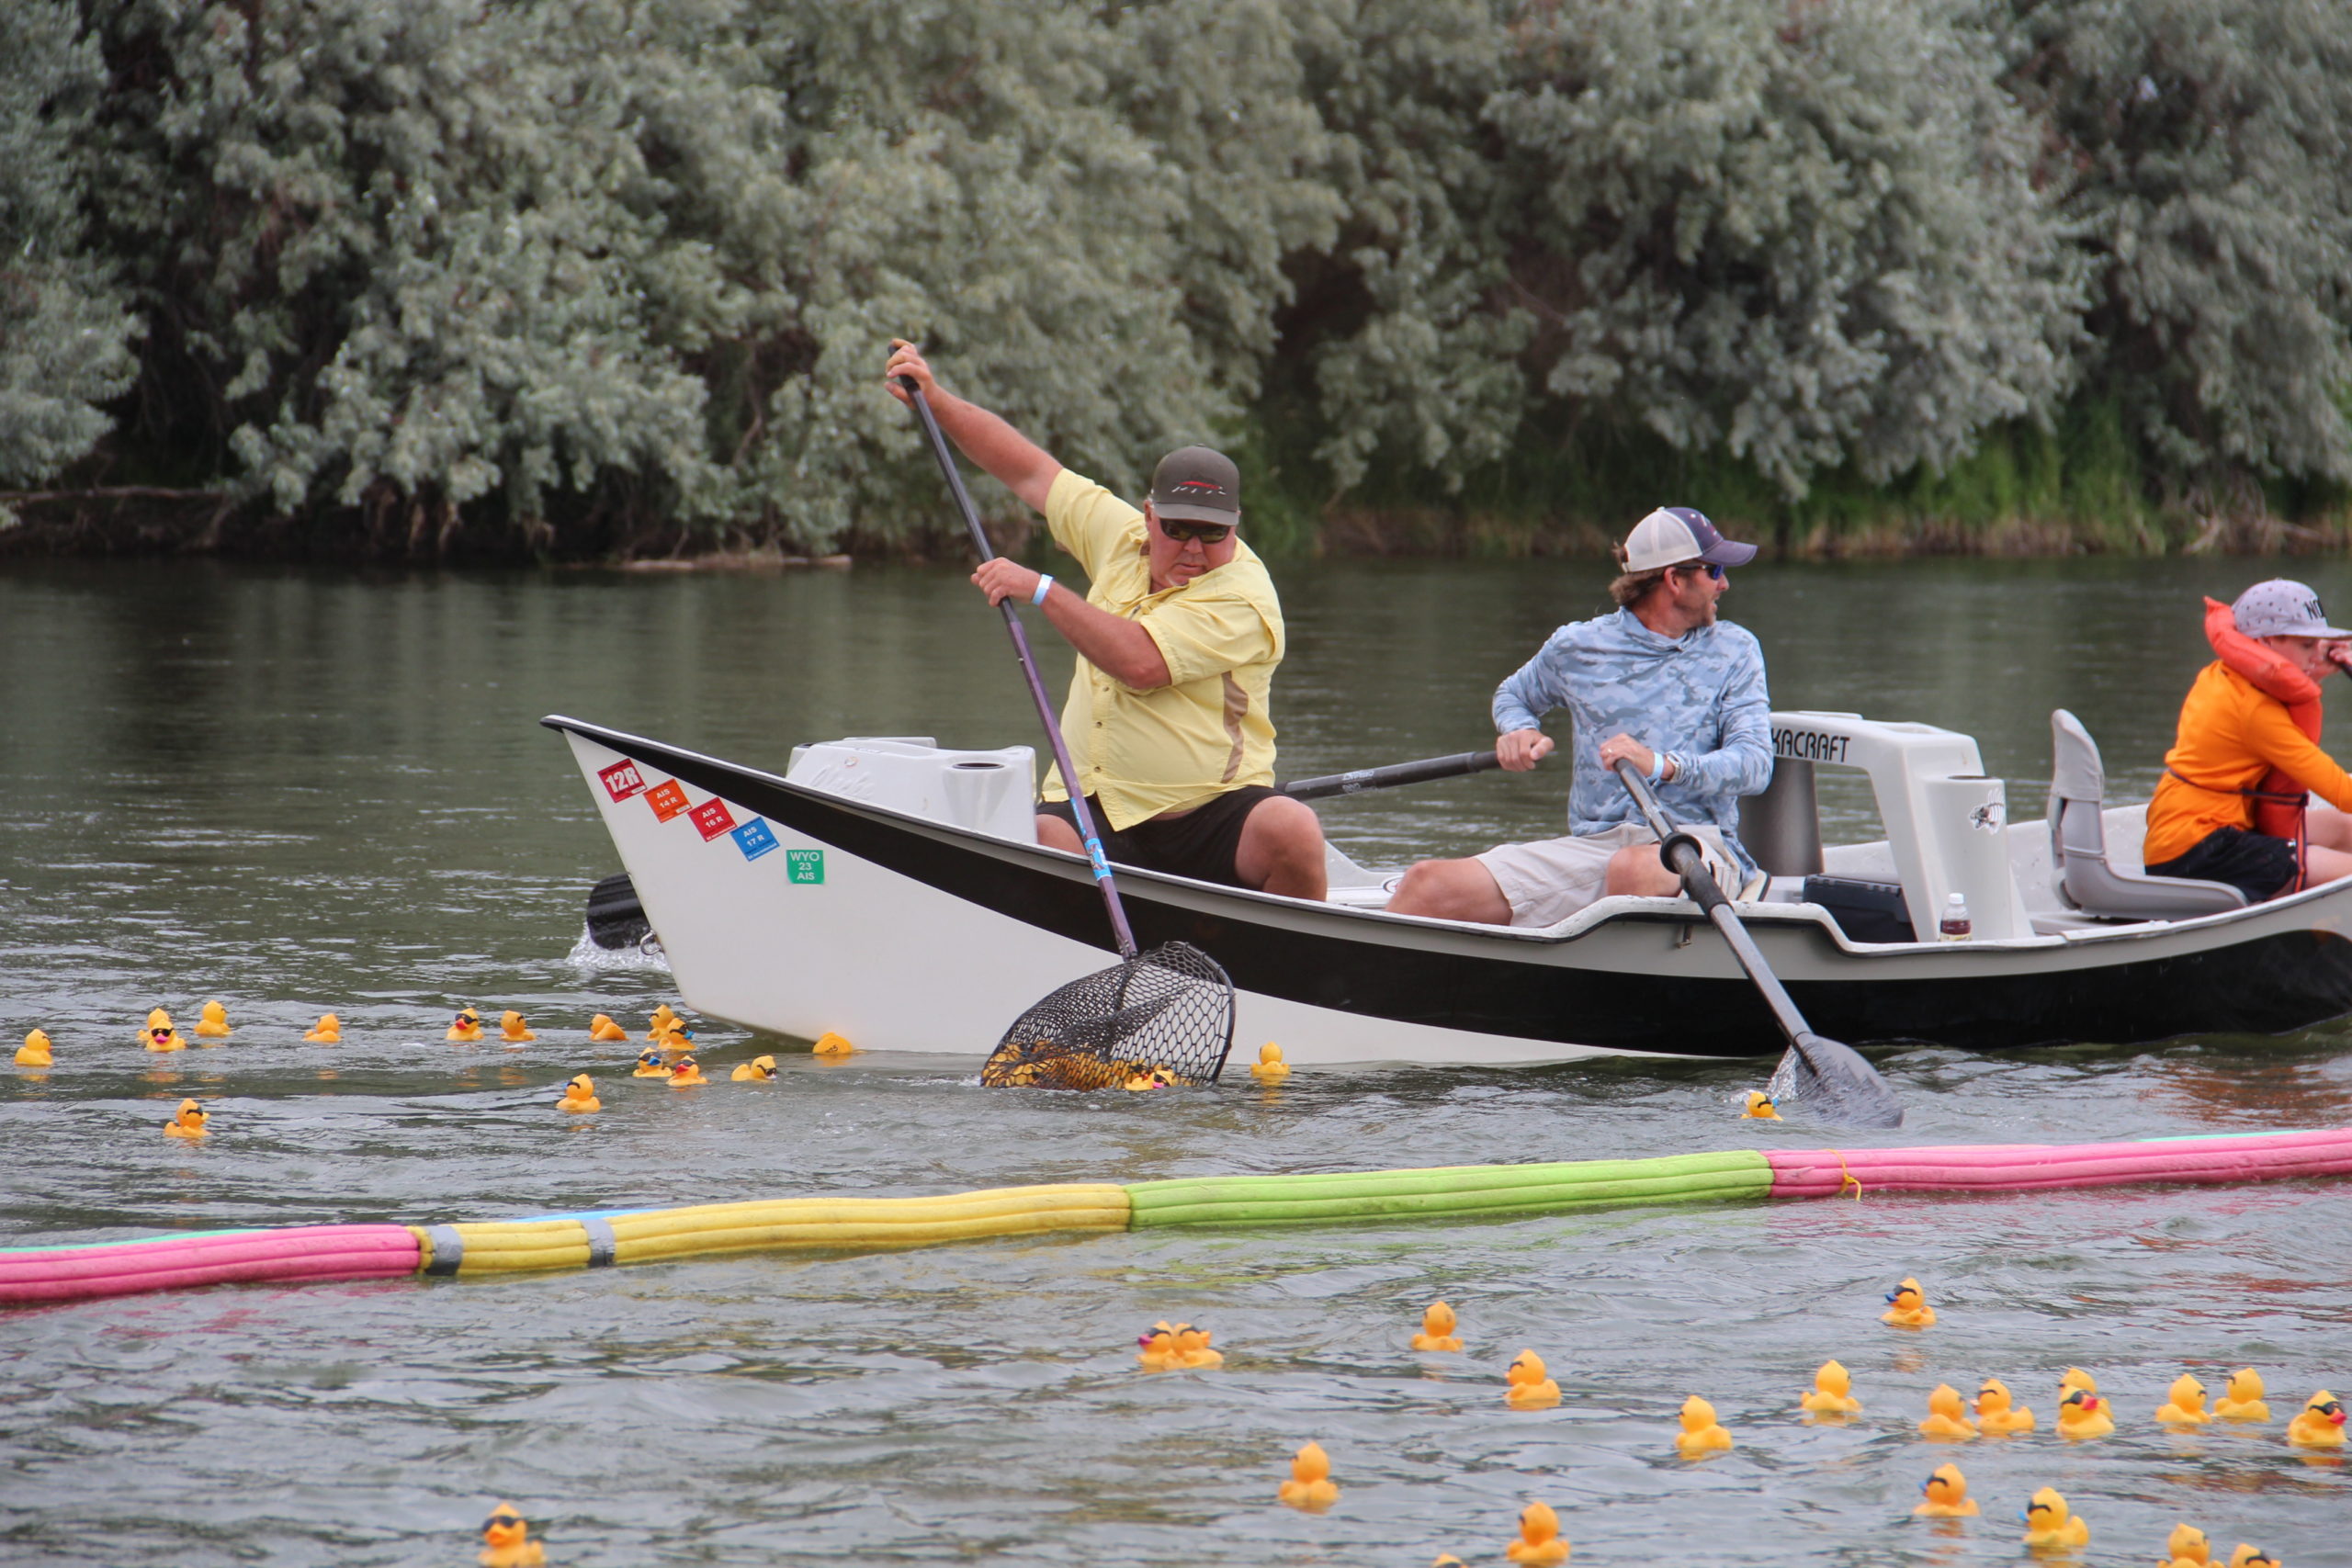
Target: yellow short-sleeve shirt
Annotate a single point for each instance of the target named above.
(1210, 729)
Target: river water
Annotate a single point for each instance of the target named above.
(300, 792)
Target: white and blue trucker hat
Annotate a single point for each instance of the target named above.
(1677, 535)
(2282, 607)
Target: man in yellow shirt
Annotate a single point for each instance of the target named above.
(1178, 636)
(2200, 820)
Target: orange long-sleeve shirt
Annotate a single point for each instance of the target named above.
(2230, 734)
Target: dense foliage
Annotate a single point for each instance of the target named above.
(575, 275)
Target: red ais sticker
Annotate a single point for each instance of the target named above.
(622, 780)
(666, 798)
(711, 819)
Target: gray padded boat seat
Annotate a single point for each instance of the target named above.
(2078, 844)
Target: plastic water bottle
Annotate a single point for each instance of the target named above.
(1956, 926)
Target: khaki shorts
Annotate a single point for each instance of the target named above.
(1546, 880)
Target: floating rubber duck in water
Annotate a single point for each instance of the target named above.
(1150, 1079)
(1529, 1388)
(466, 1027)
(1907, 1306)
(649, 1064)
(1701, 1434)
(662, 1019)
(1270, 1067)
(35, 1051)
(2253, 1557)
(1947, 1420)
(506, 1543)
(1997, 1416)
(161, 1035)
(1309, 1487)
(2187, 1547)
(580, 1096)
(513, 1029)
(1944, 1496)
(1832, 1392)
(2051, 1525)
(2075, 1377)
(2320, 1423)
(2184, 1404)
(1176, 1347)
(2243, 1400)
(759, 1069)
(1437, 1329)
(602, 1027)
(1760, 1107)
(212, 1023)
(831, 1044)
(328, 1030)
(686, 1074)
(187, 1122)
(1540, 1542)
(2083, 1414)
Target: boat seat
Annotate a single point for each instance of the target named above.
(2079, 867)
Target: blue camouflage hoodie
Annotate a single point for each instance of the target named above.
(1699, 699)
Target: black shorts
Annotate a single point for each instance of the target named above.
(1200, 844)
(2255, 863)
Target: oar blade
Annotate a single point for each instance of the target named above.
(1832, 1082)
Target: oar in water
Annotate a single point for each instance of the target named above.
(1828, 1078)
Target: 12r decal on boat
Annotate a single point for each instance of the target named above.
(622, 780)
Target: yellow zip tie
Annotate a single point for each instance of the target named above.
(1846, 1177)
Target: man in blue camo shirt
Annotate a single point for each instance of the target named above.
(1662, 682)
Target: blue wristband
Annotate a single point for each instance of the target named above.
(1045, 582)
(1657, 766)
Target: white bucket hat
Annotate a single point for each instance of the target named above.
(2282, 607)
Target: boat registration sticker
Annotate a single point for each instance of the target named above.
(666, 798)
(710, 819)
(805, 865)
(622, 780)
(755, 838)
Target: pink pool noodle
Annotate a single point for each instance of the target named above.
(296, 1253)
(2023, 1168)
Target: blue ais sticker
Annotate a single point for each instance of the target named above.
(754, 838)
(804, 865)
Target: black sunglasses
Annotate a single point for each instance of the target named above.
(1183, 531)
(1712, 569)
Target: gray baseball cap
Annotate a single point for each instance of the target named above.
(2282, 607)
(1195, 484)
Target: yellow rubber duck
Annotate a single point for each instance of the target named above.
(1540, 1542)
(2082, 1415)
(649, 1064)
(328, 1030)
(2187, 1547)
(2051, 1525)
(1761, 1107)
(831, 1044)
(1309, 1488)
(2243, 1400)
(187, 1123)
(2320, 1423)
(686, 1074)
(2253, 1557)
(580, 1096)
(1945, 1495)
(676, 1038)
(1437, 1329)
(1907, 1306)
(1177, 1347)
(506, 1543)
(759, 1069)
(161, 1035)
(602, 1027)
(2184, 1404)
(466, 1027)
(1701, 1434)
(35, 1051)
(1832, 1392)
(2077, 1378)
(513, 1029)
(1528, 1386)
(1270, 1067)
(1947, 1420)
(1997, 1416)
(661, 1020)
(212, 1023)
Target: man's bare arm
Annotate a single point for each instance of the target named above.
(1022, 466)
(1120, 648)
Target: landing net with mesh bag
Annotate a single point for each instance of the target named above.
(1162, 1017)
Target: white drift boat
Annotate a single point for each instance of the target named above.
(894, 892)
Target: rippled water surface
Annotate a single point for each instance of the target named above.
(298, 792)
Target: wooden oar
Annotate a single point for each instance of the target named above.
(1389, 777)
(1830, 1079)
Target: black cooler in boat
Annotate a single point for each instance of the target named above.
(1865, 911)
